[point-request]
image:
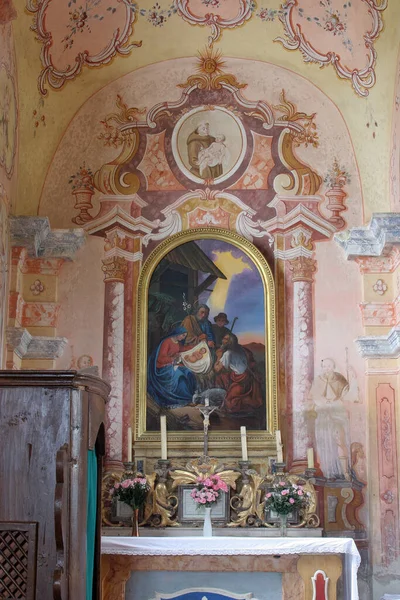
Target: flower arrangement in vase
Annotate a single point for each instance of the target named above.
(132, 492)
(206, 493)
(284, 498)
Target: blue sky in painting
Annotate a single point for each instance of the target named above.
(245, 298)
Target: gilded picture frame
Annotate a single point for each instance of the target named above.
(221, 441)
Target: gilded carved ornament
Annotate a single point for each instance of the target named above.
(247, 504)
(203, 467)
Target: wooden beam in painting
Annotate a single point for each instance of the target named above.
(204, 285)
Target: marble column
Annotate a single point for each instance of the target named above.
(114, 269)
(303, 355)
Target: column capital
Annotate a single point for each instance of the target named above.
(114, 268)
(303, 268)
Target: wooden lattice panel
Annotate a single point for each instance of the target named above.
(17, 561)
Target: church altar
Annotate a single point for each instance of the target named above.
(310, 567)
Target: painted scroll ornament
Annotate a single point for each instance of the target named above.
(337, 33)
(75, 34)
(216, 14)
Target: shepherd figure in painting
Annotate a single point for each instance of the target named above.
(169, 382)
(235, 374)
(219, 328)
(199, 141)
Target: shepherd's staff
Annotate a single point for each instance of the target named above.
(233, 323)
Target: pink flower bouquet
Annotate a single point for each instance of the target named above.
(208, 489)
(132, 492)
(284, 497)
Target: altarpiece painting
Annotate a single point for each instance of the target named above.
(206, 334)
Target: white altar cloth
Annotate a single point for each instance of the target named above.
(223, 546)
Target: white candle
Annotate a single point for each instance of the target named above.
(163, 423)
(310, 458)
(244, 442)
(206, 402)
(130, 444)
(279, 452)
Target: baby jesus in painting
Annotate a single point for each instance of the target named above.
(196, 355)
(215, 154)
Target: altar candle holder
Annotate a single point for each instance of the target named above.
(310, 473)
(129, 467)
(280, 468)
(162, 468)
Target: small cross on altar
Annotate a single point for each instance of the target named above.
(206, 411)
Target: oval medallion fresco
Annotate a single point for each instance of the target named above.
(209, 144)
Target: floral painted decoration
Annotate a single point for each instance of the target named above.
(132, 492)
(337, 176)
(284, 497)
(37, 287)
(380, 287)
(268, 14)
(332, 20)
(207, 490)
(83, 178)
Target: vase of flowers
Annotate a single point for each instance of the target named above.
(132, 492)
(206, 493)
(283, 499)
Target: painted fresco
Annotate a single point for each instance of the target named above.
(338, 33)
(209, 144)
(74, 35)
(165, 177)
(206, 338)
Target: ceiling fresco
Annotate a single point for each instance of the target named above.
(337, 32)
(76, 33)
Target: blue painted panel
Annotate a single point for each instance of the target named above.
(146, 585)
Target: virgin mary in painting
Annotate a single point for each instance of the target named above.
(170, 383)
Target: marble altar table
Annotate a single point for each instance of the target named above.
(300, 560)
